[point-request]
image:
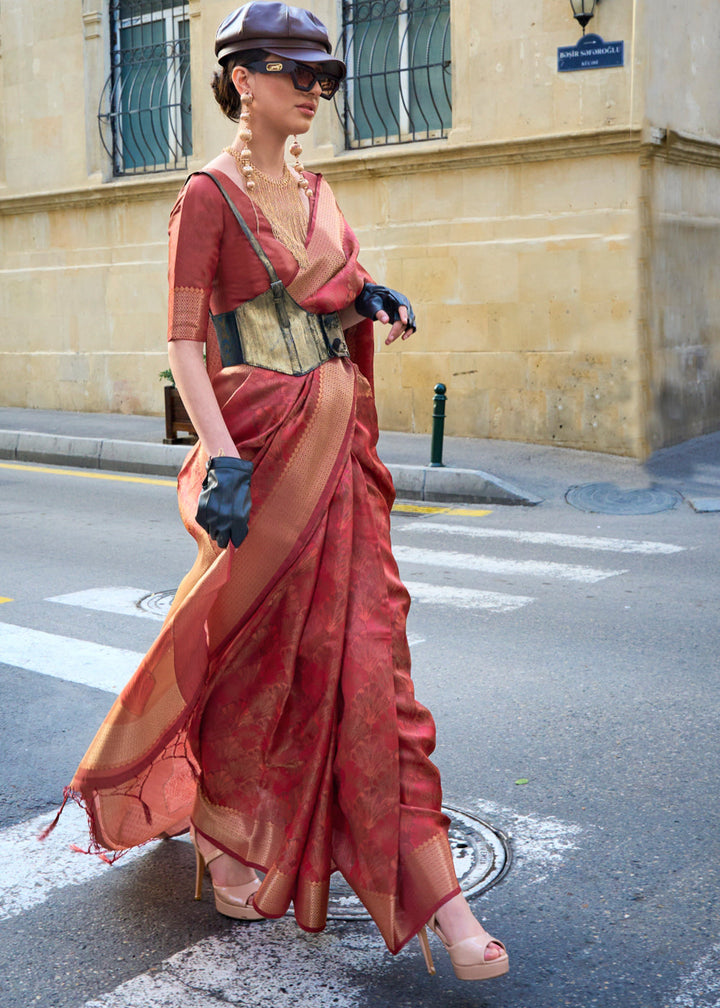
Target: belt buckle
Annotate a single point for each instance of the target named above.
(337, 346)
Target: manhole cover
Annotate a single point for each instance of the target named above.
(606, 498)
(481, 855)
(158, 603)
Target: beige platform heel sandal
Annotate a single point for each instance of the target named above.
(467, 956)
(232, 901)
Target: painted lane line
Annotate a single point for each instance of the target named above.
(273, 965)
(549, 539)
(403, 507)
(120, 601)
(497, 565)
(89, 474)
(31, 870)
(540, 845)
(465, 598)
(701, 989)
(77, 661)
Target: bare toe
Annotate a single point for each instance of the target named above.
(493, 951)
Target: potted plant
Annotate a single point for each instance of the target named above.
(176, 417)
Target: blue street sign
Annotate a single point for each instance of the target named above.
(591, 53)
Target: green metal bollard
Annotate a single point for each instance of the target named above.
(438, 427)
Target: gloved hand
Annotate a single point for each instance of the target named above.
(224, 502)
(374, 298)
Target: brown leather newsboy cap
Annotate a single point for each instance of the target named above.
(285, 31)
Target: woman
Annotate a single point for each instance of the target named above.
(276, 710)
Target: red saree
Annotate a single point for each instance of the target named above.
(276, 706)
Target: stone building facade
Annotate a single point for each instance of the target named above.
(558, 233)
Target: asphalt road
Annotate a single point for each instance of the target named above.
(551, 648)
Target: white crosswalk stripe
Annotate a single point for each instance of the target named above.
(499, 565)
(545, 538)
(125, 601)
(78, 661)
(121, 601)
(31, 869)
(465, 598)
(271, 965)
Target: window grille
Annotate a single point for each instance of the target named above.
(399, 80)
(145, 113)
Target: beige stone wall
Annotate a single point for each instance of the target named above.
(43, 75)
(683, 297)
(550, 244)
(681, 73)
(83, 301)
(527, 308)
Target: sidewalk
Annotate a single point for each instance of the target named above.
(475, 471)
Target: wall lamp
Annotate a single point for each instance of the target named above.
(583, 11)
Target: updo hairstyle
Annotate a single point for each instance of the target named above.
(224, 90)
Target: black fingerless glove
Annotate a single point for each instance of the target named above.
(224, 502)
(374, 298)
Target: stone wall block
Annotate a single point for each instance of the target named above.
(563, 423)
(396, 410)
(548, 272)
(490, 273)
(514, 417)
(518, 326)
(490, 194)
(459, 327)
(467, 413)
(499, 371)
(428, 278)
(395, 404)
(608, 269)
(565, 186)
(422, 371)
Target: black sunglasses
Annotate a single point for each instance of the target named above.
(302, 75)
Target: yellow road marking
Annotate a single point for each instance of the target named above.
(89, 474)
(5, 600)
(400, 508)
(403, 508)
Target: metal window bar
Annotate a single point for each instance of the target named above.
(398, 88)
(145, 114)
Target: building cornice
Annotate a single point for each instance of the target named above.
(400, 159)
(439, 155)
(682, 148)
(146, 187)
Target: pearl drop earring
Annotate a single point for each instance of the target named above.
(245, 134)
(296, 150)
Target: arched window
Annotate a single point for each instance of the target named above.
(145, 114)
(398, 88)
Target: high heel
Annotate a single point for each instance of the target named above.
(232, 901)
(468, 955)
(425, 946)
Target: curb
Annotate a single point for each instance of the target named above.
(92, 453)
(424, 483)
(444, 483)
